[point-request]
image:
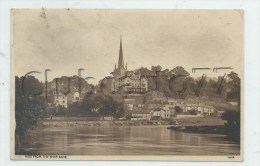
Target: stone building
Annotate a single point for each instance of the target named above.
(61, 100)
(189, 105)
(68, 89)
(124, 80)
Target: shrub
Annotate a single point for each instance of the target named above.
(232, 127)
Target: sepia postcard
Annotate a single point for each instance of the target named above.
(127, 84)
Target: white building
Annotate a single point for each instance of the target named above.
(134, 83)
(141, 115)
(76, 97)
(186, 106)
(161, 114)
(61, 100)
(124, 80)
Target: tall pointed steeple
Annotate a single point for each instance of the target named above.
(121, 58)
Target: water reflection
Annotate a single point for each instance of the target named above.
(136, 140)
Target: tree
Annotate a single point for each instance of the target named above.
(128, 115)
(178, 85)
(61, 110)
(92, 102)
(144, 71)
(28, 108)
(178, 109)
(191, 85)
(118, 110)
(232, 126)
(179, 70)
(234, 87)
(156, 68)
(105, 105)
(102, 86)
(31, 86)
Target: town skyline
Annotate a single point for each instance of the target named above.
(65, 51)
(162, 77)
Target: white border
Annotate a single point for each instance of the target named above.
(251, 75)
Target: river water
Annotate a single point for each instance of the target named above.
(134, 140)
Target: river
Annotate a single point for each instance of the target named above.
(133, 140)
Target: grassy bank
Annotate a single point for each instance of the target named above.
(200, 121)
(208, 125)
(72, 122)
(108, 123)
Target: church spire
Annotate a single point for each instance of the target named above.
(121, 58)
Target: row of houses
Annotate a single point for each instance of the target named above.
(203, 108)
(167, 111)
(153, 109)
(157, 109)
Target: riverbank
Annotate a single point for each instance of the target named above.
(70, 122)
(202, 125)
(201, 121)
(230, 135)
(101, 123)
(202, 129)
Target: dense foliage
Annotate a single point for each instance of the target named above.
(232, 127)
(177, 83)
(104, 105)
(29, 106)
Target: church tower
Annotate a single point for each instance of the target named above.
(121, 68)
(121, 58)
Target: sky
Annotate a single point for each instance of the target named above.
(65, 40)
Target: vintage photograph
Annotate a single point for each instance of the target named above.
(127, 84)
